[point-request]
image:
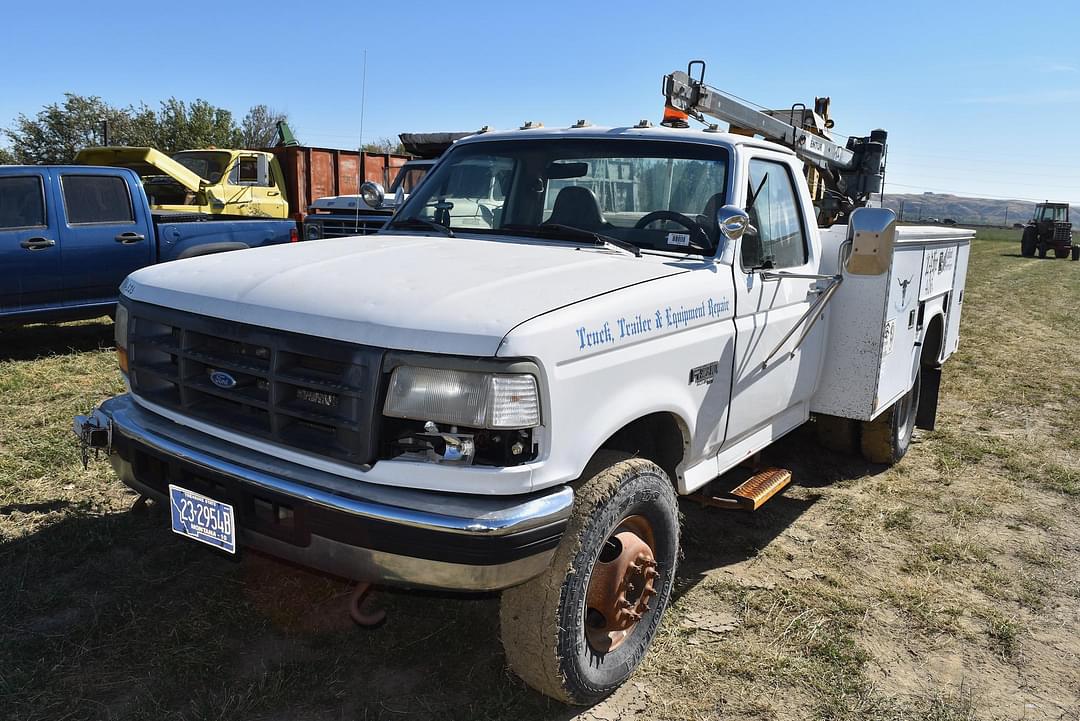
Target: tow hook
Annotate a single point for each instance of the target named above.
(94, 433)
(373, 618)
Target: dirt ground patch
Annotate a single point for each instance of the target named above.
(946, 588)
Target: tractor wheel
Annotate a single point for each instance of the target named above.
(580, 629)
(1076, 252)
(1061, 252)
(887, 438)
(1028, 242)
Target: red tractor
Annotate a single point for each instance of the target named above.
(1050, 229)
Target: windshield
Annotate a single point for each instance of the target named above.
(208, 165)
(408, 178)
(654, 194)
(1056, 213)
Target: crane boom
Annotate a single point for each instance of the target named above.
(851, 174)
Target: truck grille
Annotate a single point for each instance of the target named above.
(1063, 233)
(341, 227)
(312, 394)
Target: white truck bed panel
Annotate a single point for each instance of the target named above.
(876, 323)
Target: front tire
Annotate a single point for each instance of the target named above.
(1061, 252)
(887, 438)
(580, 629)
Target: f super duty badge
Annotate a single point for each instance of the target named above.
(703, 375)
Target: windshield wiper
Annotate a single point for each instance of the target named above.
(420, 223)
(558, 231)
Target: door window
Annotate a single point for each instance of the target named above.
(97, 199)
(22, 202)
(247, 172)
(780, 241)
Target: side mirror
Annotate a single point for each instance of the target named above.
(872, 233)
(732, 221)
(372, 194)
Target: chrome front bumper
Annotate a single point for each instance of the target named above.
(357, 530)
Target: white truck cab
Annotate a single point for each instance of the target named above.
(559, 333)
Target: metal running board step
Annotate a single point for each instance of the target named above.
(752, 493)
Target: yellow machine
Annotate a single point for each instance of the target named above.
(214, 181)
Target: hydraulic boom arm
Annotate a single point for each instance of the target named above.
(851, 174)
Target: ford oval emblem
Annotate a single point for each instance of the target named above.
(222, 379)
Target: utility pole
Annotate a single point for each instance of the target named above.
(901, 210)
(1006, 215)
(104, 131)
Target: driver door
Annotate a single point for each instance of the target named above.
(775, 393)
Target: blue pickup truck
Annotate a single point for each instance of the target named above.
(70, 234)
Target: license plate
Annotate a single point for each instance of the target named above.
(202, 518)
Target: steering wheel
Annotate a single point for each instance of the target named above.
(699, 239)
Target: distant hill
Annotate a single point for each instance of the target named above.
(973, 211)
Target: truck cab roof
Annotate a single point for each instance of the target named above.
(684, 135)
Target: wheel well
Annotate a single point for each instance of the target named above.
(660, 437)
(933, 338)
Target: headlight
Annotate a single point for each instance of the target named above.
(312, 231)
(372, 193)
(465, 398)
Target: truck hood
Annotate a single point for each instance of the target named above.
(144, 161)
(433, 294)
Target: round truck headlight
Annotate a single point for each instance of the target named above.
(373, 194)
(464, 398)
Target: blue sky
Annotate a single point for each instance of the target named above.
(979, 98)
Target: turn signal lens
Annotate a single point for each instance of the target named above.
(122, 359)
(120, 326)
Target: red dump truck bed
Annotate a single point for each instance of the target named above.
(312, 173)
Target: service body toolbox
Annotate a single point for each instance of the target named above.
(875, 323)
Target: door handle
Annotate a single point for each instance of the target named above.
(129, 238)
(273, 193)
(37, 243)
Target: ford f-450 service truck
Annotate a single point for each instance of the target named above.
(559, 333)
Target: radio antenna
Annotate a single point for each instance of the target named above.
(362, 156)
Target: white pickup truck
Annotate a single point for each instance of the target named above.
(517, 400)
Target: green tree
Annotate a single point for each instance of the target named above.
(7, 157)
(60, 130)
(259, 127)
(198, 125)
(384, 145)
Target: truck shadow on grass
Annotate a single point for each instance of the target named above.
(715, 539)
(37, 341)
(113, 614)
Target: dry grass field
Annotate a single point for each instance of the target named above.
(946, 588)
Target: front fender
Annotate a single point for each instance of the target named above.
(666, 346)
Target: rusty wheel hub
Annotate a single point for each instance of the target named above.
(621, 585)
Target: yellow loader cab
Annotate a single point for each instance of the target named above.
(214, 181)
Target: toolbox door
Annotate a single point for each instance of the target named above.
(956, 299)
